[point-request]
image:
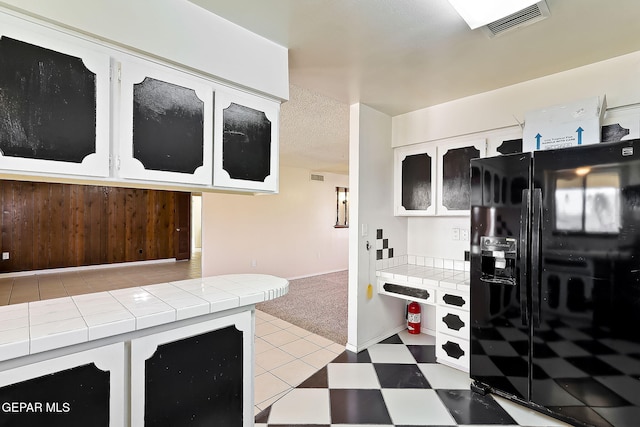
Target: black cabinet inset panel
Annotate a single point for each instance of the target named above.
(510, 146)
(47, 104)
(456, 177)
(405, 290)
(416, 182)
(196, 381)
(73, 397)
(453, 321)
(453, 350)
(168, 126)
(454, 300)
(246, 143)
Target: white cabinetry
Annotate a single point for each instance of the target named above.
(166, 125)
(246, 142)
(453, 329)
(80, 389)
(54, 102)
(202, 371)
(433, 178)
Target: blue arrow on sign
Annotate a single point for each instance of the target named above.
(579, 130)
(538, 136)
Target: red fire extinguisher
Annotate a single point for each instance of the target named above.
(413, 318)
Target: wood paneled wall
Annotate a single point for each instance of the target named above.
(50, 225)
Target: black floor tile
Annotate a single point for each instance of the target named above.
(393, 375)
(393, 339)
(263, 416)
(351, 357)
(318, 380)
(592, 392)
(468, 407)
(423, 353)
(589, 416)
(593, 366)
(350, 406)
(594, 347)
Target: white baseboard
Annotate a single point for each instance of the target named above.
(85, 268)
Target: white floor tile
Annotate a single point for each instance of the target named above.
(302, 406)
(442, 376)
(416, 406)
(320, 358)
(266, 328)
(527, 417)
(300, 347)
(352, 375)
(273, 358)
(416, 339)
(279, 338)
(293, 373)
(267, 386)
(321, 341)
(390, 353)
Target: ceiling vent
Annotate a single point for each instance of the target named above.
(317, 177)
(527, 16)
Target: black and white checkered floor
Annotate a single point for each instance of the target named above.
(394, 383)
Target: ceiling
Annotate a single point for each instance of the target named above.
(402, 55)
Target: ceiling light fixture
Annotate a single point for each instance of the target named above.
(482, 12)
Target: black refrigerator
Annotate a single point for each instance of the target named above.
(555, 281)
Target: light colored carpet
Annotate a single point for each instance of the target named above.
(317, 304)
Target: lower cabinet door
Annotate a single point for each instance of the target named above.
(194, 375)
(80, 389)
(452, 351)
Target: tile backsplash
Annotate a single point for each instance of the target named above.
(422, 261)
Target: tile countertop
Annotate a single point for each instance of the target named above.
(421, 272)
(39, 326)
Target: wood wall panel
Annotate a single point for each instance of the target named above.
(49, 225)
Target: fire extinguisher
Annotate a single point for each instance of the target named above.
(413, 318)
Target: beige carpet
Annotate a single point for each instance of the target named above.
(317, 304)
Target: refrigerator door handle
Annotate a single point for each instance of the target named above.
(523, 254)
(536, 229)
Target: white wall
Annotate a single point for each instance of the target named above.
(289, 234)
(616, 78)
(177, 31)
(371, 187)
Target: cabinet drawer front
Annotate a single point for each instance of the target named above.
(452, 351)
(421, 295)
(456, 300)
(453, 322)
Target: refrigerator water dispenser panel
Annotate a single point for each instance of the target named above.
(499, 256)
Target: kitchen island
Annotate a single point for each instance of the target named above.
(177, 353)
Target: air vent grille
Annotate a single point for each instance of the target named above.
(527, 16)
(316, 177)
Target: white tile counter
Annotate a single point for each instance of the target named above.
(424, 273)
(115, 344)
(39, 326)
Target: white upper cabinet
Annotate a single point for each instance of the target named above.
(454, 175)
(166, 125)
(415, 180)
(433, 178)
(54, 102)
(246, 142)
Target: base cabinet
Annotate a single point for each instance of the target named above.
(453, 329)
(81, 389)
(194, 375)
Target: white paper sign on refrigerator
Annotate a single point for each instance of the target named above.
(566, 125)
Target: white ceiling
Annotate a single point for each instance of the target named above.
(402, 55)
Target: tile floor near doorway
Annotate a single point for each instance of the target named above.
(394, 383)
